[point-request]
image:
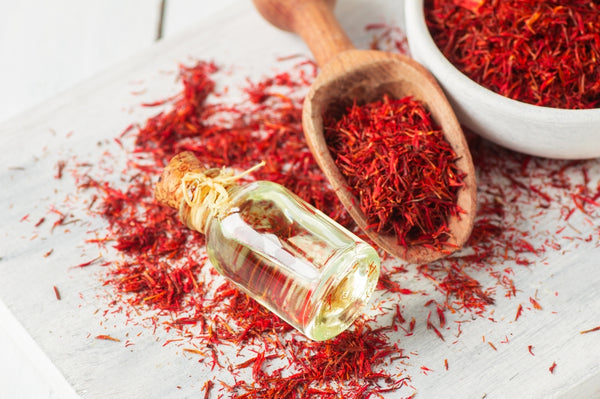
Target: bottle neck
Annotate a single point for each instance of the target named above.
(197, 216)
(207, 194)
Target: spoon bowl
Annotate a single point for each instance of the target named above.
(349, 75)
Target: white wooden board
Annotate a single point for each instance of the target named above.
(84, 121)
(47, 47)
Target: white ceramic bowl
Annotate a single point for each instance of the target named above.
(531, 129)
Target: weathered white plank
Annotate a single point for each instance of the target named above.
(25, 371)
(181, 15)
(48, 46)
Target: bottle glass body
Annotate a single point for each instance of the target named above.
(292, 258)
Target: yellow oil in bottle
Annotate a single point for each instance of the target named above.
(293, 259)
(284, 253)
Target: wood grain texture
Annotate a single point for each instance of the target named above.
(48, 47)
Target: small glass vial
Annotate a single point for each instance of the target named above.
(283, 252)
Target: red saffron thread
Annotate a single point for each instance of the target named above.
(107, 337)
(590, 330)
(535, 304)
(88, 263)
(519, 312)
(56, 292)
(60, 166)
(207, 387)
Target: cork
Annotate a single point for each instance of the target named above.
(168, 188)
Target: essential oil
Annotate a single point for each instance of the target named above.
(284, 253)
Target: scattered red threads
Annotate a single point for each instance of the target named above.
(356, 357)
(544, 53)
(530, 350)
(388, 38)
(468, 291)
(400, 168)
(39, 222)
(386, 283)
(551, 368)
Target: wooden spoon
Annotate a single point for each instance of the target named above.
(348, 74)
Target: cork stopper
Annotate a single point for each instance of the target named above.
(168, 190)
(197, 193)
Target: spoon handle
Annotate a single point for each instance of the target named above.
(313, 20)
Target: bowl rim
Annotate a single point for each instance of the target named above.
(415, 19)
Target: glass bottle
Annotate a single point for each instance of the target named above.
(283, 252)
